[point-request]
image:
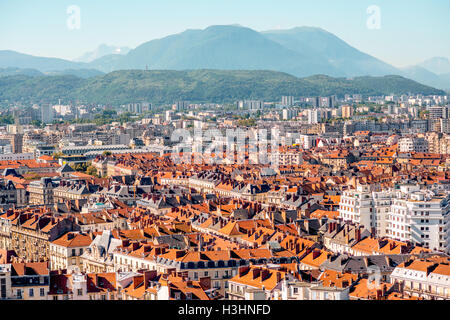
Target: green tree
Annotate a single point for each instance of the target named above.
(92, 171)
(57, 155)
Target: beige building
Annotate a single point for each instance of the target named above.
(41, 192)
(65, 252)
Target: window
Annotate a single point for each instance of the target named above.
(31, 292)
(80, 292)
(41, 292)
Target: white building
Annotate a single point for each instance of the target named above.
(313, 116)
(287, 101)
(426, 278)
(406, 214)
(307, 141)
(46, 113)
(413, 145)
(289, 114)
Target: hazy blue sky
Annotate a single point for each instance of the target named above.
(410, 31)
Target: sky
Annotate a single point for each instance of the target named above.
(399, 32)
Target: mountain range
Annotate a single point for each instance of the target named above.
(221, 86)
(301, 52)
(102, 51)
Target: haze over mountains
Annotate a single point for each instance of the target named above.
(101, 51)
(220, 86)
(301, 52)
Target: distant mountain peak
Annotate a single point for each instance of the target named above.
(300, 51)
(101, 51)
(437, 65)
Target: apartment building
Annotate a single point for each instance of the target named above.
(29, 281)
(425, 278)
(255, 283)
(5, 282)
(41, 191)
(407, 213)
(286, 158)
(65, 252)
(30, 234)
(413, 144)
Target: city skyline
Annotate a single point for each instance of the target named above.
(234, 153)
(377, 28)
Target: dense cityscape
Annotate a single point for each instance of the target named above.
(351, 202)
(220, 159)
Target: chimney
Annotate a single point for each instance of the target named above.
(205, 283)
(179, 254)
(255, 273)
(148, 276)
(243, 270)
(316, 254)
(358, 234)
(265, 273)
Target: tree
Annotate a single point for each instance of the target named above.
(57, 155)
(36, 123)
(81, 167)
(92, 171)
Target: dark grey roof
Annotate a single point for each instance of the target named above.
(65, 168)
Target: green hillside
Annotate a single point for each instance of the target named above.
(197, 86)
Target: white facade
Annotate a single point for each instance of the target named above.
(413, 145)
(420, 283)
(406, 214)
(16, 156)
(313, 116)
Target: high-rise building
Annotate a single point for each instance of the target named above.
(288, 114)
(146, 106)
(255, 104)
(17, 142)
(46, 113)
(413, 144)
(134, 108)
(330, 102)
(287, 101)
(347, 111)
(316, 103)
(439, 112)
(181, 105)
(407, 213)
(313, 116)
